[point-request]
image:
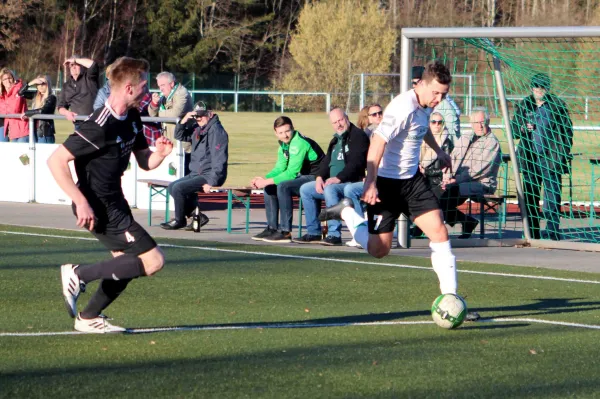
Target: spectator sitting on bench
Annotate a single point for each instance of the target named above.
(298, 161)
(475, 162)
(208, 165)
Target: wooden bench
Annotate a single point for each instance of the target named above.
(488, 202)
(241, 194)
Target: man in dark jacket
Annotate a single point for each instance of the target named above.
(79, 92)
(208, 165)
(344, 163)
(544, 127)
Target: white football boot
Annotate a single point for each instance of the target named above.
(72, 286)
(98, 325)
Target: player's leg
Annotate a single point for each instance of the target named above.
(442, 258)
(424, 207)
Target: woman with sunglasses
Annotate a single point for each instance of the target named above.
(15, 130)
(44, 102)
(429, 164)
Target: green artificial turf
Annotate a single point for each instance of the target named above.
(235, 285)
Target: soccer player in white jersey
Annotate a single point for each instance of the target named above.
(394, 184)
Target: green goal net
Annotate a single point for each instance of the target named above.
(553, 111)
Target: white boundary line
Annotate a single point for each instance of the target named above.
(293, 325)
(570, 280)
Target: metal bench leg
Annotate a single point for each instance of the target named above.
(482, 222)
(247, 204)
(167, 196)
(150, 206)
(229, 207)
(299, 217)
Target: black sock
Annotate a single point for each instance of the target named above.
(118, 268)
(107, 292)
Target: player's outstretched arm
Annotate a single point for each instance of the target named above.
(148, 160)
(376, 149)
(58, 163)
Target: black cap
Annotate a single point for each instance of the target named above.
(201, 109)
(540, 80)
(417, 72)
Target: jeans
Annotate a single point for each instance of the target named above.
(3, 139)
(311, 201)
(536, 173)
(46, 140)
(24, 139)
(184, 192)
(278, 202)
(354, 192)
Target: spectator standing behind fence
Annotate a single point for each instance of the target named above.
(44, 102)
(298, 161)
(448, 108)
(175, 102)
(344, 163)
(208, 167)
(475, 162)
(544, 127)
(79, 91)
(15, 130)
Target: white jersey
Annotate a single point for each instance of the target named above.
(403, 127)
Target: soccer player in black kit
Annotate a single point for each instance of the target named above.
(101, 148)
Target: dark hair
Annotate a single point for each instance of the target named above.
(282, 121)
(438, 71)
(126, 68)
(540, 80)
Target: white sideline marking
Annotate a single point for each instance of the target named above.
(238, 251)
(299, 325)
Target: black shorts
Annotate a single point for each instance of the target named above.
(413, 197)
(116, 229)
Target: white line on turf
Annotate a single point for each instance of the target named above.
(238, 251)
(300, 325)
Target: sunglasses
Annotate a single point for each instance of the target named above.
(436, 122)
(379, 113)
(415, 82)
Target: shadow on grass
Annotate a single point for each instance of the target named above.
(545, 306)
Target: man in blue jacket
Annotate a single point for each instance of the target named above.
(208, 165)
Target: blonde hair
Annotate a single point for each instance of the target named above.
(6, 71)
(126, 68)
(39, 99)
(363, 118)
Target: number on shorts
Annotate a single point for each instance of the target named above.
(377, 219)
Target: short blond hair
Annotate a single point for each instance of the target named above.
(127, 69)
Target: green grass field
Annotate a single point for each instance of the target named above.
(274, 322)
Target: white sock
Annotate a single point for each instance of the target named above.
(357, 226)
(444, 265)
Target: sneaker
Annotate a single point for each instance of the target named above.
(98, 325)
(335, 212)
(352, 243)
(265, 233)
(332, 241)
(308, 239)
(279, 237)
(72, 286)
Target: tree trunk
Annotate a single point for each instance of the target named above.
(113, 13)
(83, 26)
(131, 28)
(285, 42)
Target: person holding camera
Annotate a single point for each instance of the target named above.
(208, 163)
(44, 102)
(544, 127)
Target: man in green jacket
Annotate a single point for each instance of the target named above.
(298, 161)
